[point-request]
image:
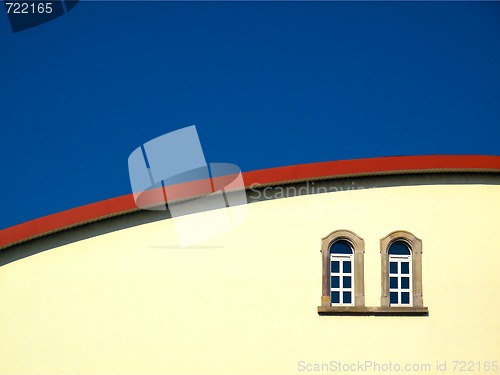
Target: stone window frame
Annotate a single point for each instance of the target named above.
(359, 308)
(358, 247)
(415, 245)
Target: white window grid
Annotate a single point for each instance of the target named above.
(399, 259)
(341, 258)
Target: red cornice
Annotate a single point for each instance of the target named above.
(273, 176)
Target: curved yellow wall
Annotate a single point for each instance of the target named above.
(133, 302)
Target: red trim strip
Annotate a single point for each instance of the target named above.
(357, 167)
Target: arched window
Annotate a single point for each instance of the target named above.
(343, 279)
(401, 255)
(341, 273)
(400, 275)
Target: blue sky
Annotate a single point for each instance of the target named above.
(266, 83)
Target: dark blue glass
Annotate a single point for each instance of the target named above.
(347, 267)
(335, 297)
(347, 297)
(394, 297)
(393, 282)
(334, 282)
(393, 267)
(405, 268)
(405, 297)
(341, 247)
(346, 282)
(399, 248)
(405, 283)
(335, 267)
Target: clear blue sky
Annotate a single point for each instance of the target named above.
(267, 84)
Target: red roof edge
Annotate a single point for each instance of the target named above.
(333, 169)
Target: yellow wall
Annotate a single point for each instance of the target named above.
(133, 302)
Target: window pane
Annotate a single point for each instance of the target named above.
(346, 282)
(394, 297)
(393, 282)
(335, 267)
(334, 282)
(335, 297)
(399, 248)
(393, 267)
(341, 247)
(405, 297)
(347, 267)
(405, 268)
(347, 297)
(405, 283)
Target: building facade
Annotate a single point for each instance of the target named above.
(377, 266)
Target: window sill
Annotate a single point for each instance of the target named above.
(373, 311)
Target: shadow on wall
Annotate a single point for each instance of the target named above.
(83, 232)
(254, 194)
